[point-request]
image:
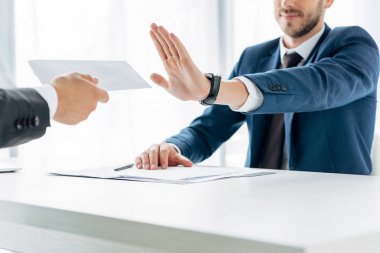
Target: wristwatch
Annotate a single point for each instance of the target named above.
(214, 89)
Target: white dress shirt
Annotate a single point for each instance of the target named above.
(49, 93)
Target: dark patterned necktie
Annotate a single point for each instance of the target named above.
(274, 141)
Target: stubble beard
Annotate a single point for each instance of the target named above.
(308, 25)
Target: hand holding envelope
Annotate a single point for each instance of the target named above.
(78, 94)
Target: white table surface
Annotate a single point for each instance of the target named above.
(286, 212)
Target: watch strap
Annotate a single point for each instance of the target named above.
(214, 89)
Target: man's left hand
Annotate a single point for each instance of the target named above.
(186, 81)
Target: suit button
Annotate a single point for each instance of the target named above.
(277, 87)
(36, 121)
(19, 125)
(30, 123)
(272, 87)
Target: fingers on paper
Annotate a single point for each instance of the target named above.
(138, 162)
(145, 160)
(181, 160)
(164, 156)
(153, 156)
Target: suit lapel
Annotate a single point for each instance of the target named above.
(272, 61)
(313, 55)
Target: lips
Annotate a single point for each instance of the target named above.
(289, 14)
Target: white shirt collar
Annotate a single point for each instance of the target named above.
(304, 49)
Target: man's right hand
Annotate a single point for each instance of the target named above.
(163, 155)
(78, 96)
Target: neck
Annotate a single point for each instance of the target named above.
(291, 42)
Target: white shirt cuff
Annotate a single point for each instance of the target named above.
(49, 93)
(255, 96)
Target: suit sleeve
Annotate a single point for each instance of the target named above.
(24, 116)
(207, 132)
(348, 71)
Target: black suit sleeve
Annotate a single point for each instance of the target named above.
(24, 116)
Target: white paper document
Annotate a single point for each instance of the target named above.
(177, 175)
(112, 75)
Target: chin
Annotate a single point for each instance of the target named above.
(289, 30)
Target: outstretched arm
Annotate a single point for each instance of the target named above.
(185, 80)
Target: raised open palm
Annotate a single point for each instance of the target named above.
(185, 80)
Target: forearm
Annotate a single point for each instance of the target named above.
(232, 93)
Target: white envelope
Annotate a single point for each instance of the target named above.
(112, 75)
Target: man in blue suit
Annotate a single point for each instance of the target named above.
(308, 98)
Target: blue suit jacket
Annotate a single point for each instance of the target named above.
(329, 105)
